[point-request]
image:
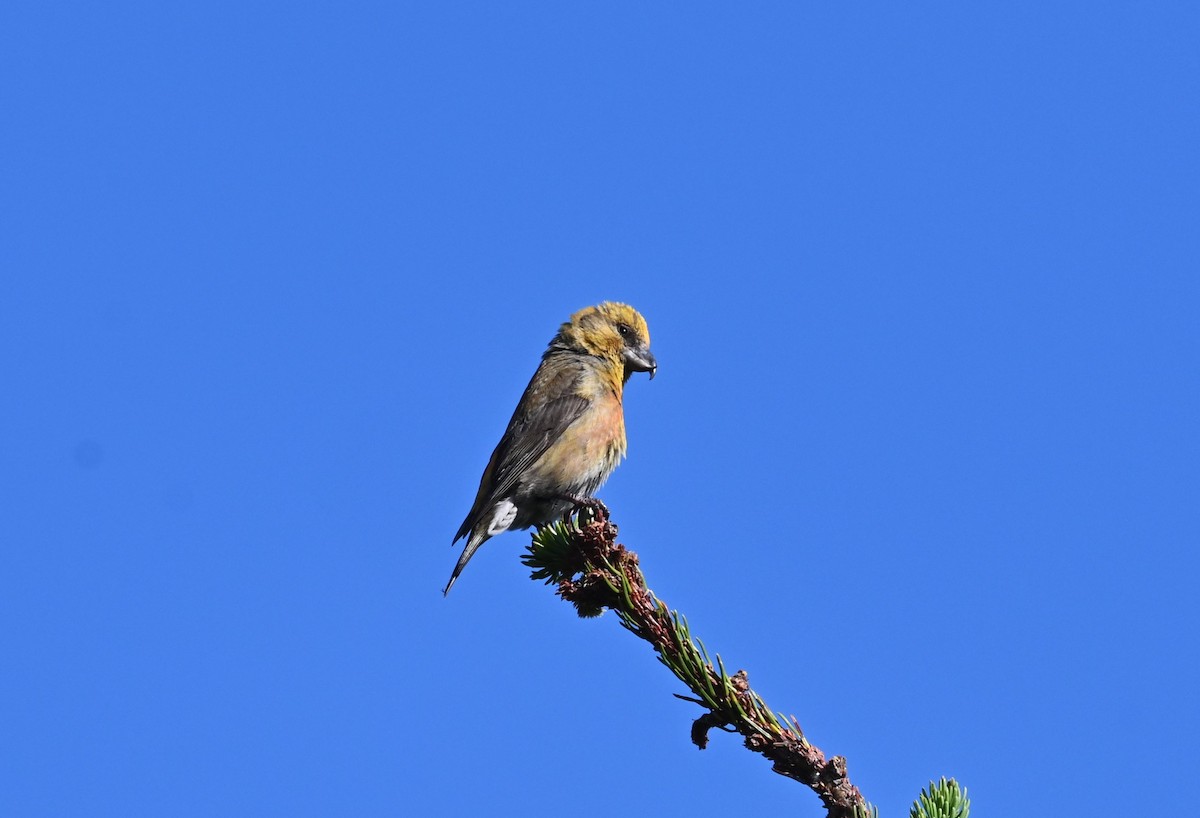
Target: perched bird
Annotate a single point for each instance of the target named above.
(568, 432)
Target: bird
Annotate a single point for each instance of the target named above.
(568, 431)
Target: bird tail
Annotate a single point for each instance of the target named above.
(475, 540)
(499, 518)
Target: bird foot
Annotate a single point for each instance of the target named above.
(598, 509)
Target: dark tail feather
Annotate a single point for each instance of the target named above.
(468, 551)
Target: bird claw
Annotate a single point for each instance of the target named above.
(596, 507)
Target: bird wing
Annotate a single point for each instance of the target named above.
(536, 424)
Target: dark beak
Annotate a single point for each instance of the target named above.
(640, 359)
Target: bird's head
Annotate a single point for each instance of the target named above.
(613, 331)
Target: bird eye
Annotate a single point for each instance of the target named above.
(625, 330)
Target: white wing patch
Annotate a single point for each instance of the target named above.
(503, 514)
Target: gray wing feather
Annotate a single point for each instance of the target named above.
(535, 425)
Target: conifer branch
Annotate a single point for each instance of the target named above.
(592, 571)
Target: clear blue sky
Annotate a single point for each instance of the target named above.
(923, 454)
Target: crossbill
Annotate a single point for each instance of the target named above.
(568, 431)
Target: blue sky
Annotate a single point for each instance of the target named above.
(922, 455)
